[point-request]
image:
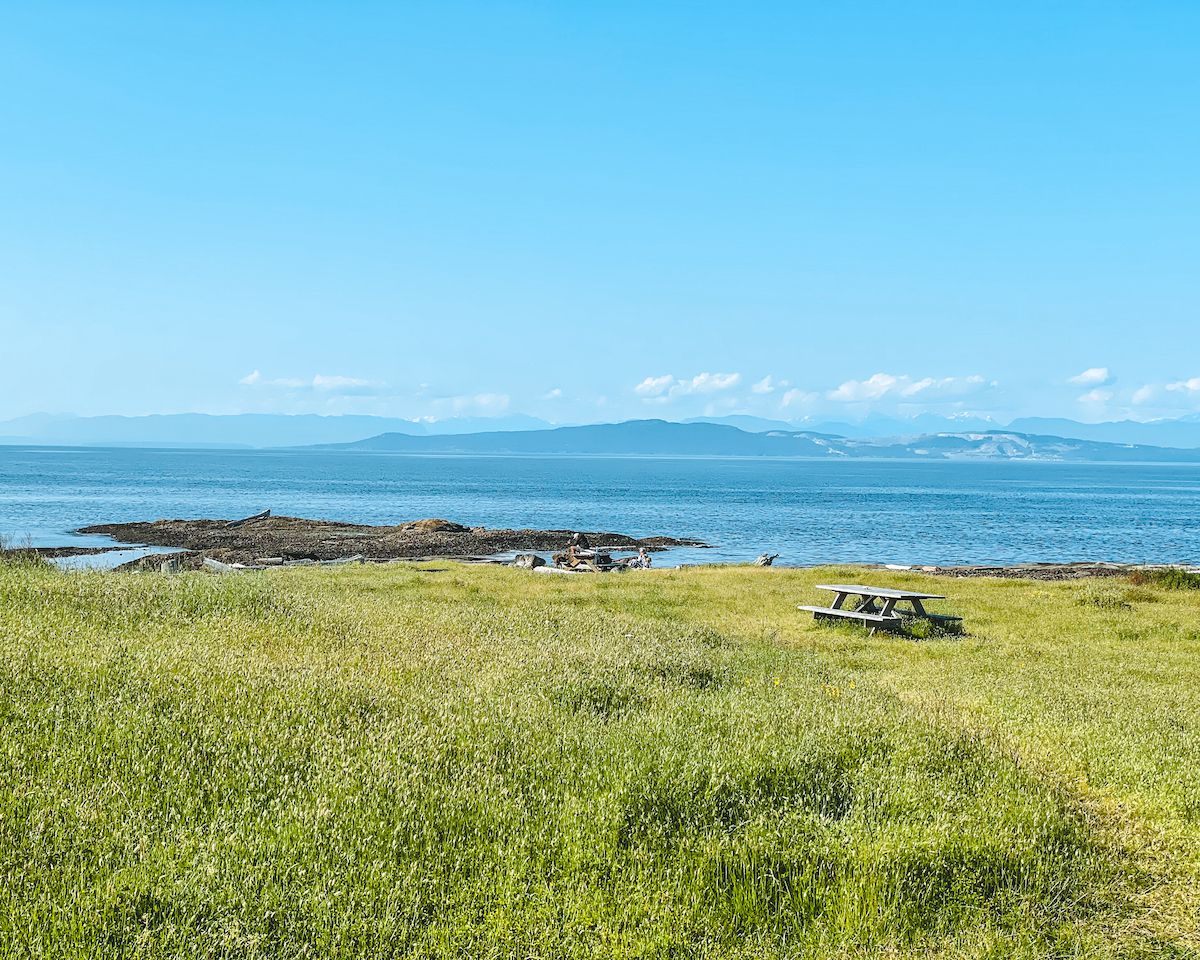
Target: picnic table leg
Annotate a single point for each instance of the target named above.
(888, 606)
(918, 608)
(837, 603)
(867, 605)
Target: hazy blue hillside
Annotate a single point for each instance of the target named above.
(748, 423)
(878, 425)
(241, 430)
(1184, 432)
(631, 437)
(885, 436)
(659, 437)
(875, 425)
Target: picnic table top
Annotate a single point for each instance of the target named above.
(888, 594)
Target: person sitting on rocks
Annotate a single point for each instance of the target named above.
(642, 561)
(579, 550)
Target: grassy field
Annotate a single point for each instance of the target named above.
(480, 762)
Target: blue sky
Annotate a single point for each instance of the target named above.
(594, 211)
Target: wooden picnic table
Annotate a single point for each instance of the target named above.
(876, 606)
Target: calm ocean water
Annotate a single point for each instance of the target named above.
(807, 511)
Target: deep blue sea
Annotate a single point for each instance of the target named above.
(808, 511)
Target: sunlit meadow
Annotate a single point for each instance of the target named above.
(444, 760)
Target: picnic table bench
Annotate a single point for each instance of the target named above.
(876, 606)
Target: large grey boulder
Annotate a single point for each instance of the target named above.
(528, 561)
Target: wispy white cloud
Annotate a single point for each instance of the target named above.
(798, 399)
(482, 403)
(257, 379)
(340, 384)
(654, 386)
(1093, 377)
(667, 387)
(437, 408)
(768, 384)
(904, 388)
(1154, 399)
(708, 383)
(334, 394)
(319, 383)
(1176, 395)
(555, 394)
(1189, 386)
(855, 391)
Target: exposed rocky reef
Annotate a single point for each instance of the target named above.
(295, 538)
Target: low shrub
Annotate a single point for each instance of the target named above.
(1171, 578)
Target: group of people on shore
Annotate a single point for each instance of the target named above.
(579, 551)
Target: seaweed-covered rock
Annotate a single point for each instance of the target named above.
(433, 525)
(296, 538)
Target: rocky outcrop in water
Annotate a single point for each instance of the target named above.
(295, 538)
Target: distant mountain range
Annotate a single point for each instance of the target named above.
(662, 438)
(275, 430)
(239, 430)
(1183, 432)
(873, 426)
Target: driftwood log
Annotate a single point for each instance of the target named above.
(246, 520)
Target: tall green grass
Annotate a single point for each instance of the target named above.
(14, 554)
(475, 762)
